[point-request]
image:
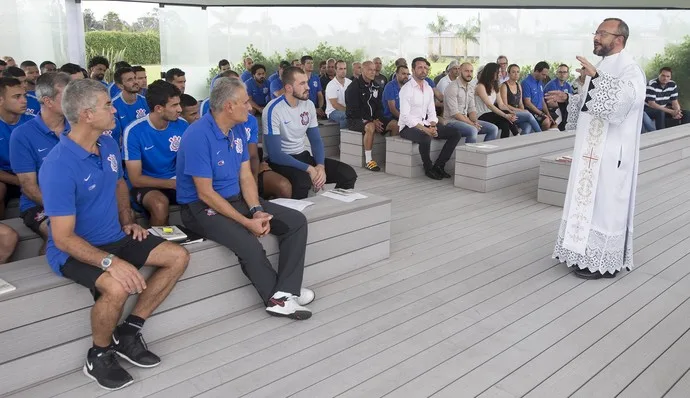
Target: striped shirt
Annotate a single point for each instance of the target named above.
(662, 95)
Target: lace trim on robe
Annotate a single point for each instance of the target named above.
(573, 108)
(603, 253)
(610, 98)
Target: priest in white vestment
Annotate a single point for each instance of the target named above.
(596, 232)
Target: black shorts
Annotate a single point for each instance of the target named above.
(260, 184)
(358, 125)
(34, 217)
(13, 192)
(138, 194)
(127, 248)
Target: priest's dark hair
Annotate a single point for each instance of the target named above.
(623, 29)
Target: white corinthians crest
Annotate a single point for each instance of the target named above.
(238, 145)
(174, 143)
(141, 112)
(113, 162)
(248, 131)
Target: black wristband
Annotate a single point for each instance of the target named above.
(255, 209)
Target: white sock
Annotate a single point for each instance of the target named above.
(367, 156)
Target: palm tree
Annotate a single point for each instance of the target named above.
(469, 32)
(439, 27)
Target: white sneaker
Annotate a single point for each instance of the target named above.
(286, 305)
(306, 296)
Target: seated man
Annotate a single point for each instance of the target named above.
(289, 118)
(32, 73)
(356, 70)
(205, 106)
(190, 108)
(73, 70)
(335, 95)
(176, 76)
(97, 67)
(379, 78)
(31, 142)
(12, 115)
(559, 83)
(276, 86)
(533, 95)
(453, 71)
(219, 200)
(662, 101)
(247, 74)
(257, 87)
(223, 65)
(142, 79)
(460, 109)
(94, 239)
(150, 146)
(314, 84)
(419, 123)
(364, 111)
(47, 66)
(113, 88)
(130, 105)
(398, 62)
(391, 93)
(32, 105)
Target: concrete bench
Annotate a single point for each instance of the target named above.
(662, 153)
(12, 209)
(352, 149)
(403, 159)
(45, 322)
(330, 135)
(505, 162)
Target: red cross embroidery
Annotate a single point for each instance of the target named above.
(590, 157)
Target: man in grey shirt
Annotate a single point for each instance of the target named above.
(460, 111)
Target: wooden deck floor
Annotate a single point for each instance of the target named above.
(470, 303)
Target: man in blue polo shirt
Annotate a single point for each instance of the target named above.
(276, 74)
(257, 88)
(94, 239)
(12, 115)
(32, 105)
(219, 199)
(391, 93)
(205, 105)
(113, 88)
(275, 84)
(247, 74)
(97, 67)
(129, 104)
(31, 142)
(314, 84)
(150, 146)
(533, 95)
(32, 73)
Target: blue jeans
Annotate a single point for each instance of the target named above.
(647, 123)
(527, 123)
(470, 132)
(338, 116)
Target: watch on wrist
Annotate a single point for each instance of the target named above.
(255, 209)
(107, 261)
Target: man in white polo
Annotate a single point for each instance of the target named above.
(335, 95)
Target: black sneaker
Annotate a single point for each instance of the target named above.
(106, 371)
(133, 348)
(440, 171)
(431, 173)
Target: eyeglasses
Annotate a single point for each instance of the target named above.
(562, 72)
(603, 33)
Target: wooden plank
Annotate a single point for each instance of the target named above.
(681, 388)
(552, 184)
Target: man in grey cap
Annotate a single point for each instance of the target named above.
(453, 71)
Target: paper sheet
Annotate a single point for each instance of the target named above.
(5, 287)
(343, 195)
(478, 145)
(294, 204)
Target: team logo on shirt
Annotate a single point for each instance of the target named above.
(109, 133)
(238, 145)
(248, 131)
(29, 111)
(305, 118)
(210, 212)
(40, 216)
(174, 143)
(141, 112)
(375, 93)
(113, 162)
(316, 84)
(265, 90)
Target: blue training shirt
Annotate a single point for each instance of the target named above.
(81, 184)
(116, 132)
(555, 85)
(246, 75)
(156, 149)
(208, 153)
(30, 144)
(534, 90)
(128, 113)
(391, 92)
(33, 107)
(113, 90)
(5, 135)
(273, 77)
(205, 107)
(250, 129)
(276, 85)
(258, 92)
(314, 89)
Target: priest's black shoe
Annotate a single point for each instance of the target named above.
(587, 274)
(432, 173)
(440, 171)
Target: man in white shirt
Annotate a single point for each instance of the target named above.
(335, 95)
(453, 73)
(503, 74)
(419, 123)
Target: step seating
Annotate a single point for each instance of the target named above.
(330, 135)
(352, 148)
(403, 158)
(662, 153)
(507, 161)
(45, 322)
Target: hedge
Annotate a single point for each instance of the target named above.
(140, 48)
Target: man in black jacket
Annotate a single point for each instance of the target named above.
(364, 111)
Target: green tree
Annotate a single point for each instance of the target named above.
(439, 27)
(677, 57)
(148, 22)
(468, 33)
(112, 21)
(90, 21)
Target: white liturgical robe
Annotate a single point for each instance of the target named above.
(596, 229)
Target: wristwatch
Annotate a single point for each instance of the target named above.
(255, 209)
(107, 261)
